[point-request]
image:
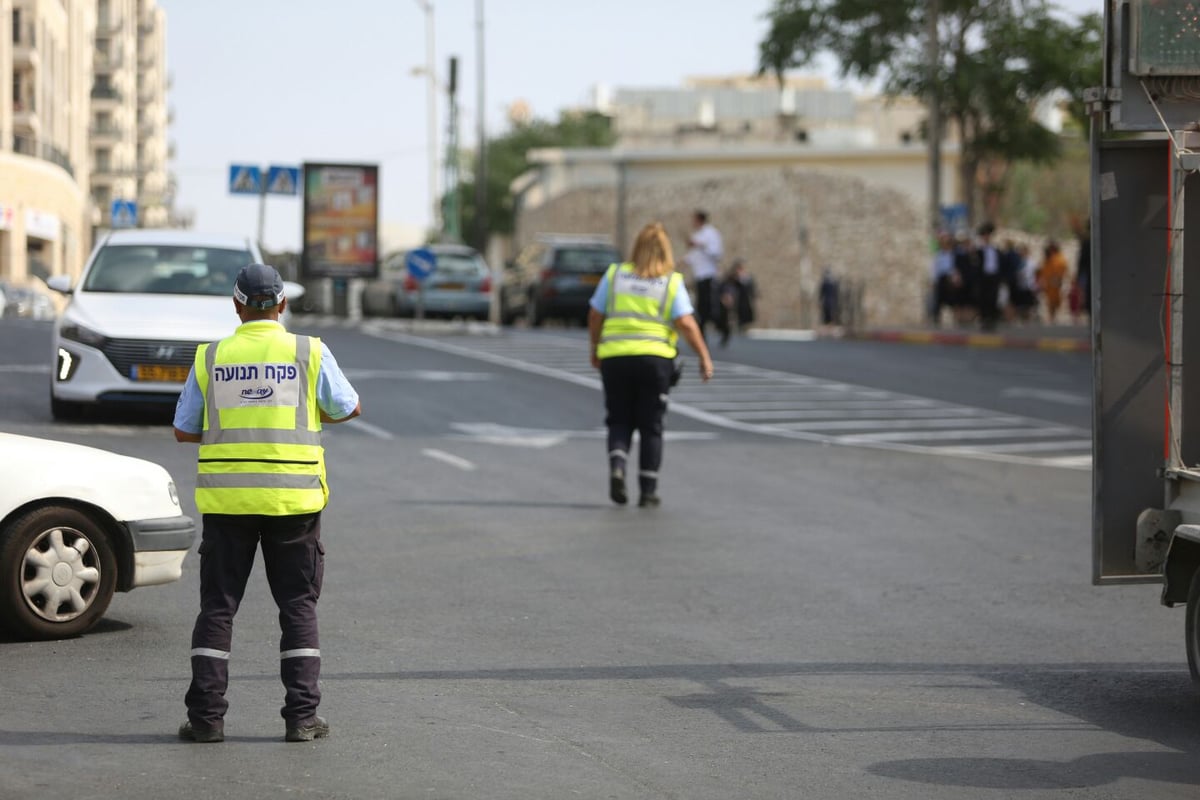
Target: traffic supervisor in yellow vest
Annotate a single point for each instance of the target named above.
(255, 402)
(637, 313)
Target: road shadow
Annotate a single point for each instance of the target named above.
(104, 626)
(1155, 703)
(1162, 707)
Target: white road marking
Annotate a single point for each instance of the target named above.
(538, 438)
(361, 426)
(794, 404)
(448, 458)
(432, 376)
(966, 434)
(1049, 395)
(898, 424)
(32, 369)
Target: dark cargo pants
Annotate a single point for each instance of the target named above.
(295, 565)
(635, 398)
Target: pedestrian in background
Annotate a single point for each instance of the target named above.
(735, 296)
(637, 313)
(1052, 276)
(705, 251)
(255, 402)
(1024, 299)
(942, 278)
(828, 293)
(990, 274)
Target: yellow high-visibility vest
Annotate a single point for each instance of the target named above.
(260, 449)
(637, 317)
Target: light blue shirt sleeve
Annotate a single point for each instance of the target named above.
(681, 307)
(335, 396)
(683, 303)
(599, 299)
(189, 409)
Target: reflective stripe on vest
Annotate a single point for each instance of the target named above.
(637, 319)
(260, 450)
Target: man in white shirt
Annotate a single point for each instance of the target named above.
(705, 251)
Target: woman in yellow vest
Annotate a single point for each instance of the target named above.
(637, 313)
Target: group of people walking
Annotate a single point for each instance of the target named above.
(981, 281)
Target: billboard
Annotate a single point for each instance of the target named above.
(341, 221)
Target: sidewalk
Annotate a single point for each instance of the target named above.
(1061, 338)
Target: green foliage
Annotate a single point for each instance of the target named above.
(1047, 199)
(997, 59)
(506, 156)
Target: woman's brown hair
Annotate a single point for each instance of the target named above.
(652, 257)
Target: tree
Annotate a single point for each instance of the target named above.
(998, 59)
(507, 159)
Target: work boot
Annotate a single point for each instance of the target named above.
(616, 486)
(201, 734)
(315, 728)
(649, 501)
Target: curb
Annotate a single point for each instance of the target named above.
(1059, 344)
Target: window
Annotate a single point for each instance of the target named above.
(166, 269)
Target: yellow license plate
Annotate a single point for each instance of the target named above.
(161, 373)
(451, 286)
(589, 280)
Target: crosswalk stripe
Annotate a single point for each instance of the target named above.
(793, 406)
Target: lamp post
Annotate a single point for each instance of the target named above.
(431, 125)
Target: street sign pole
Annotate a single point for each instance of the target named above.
(262, 212)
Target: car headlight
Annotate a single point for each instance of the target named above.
(78, 333)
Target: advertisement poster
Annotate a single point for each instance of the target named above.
(341, 220)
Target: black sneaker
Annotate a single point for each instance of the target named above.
(315, 728)
(616, 487)
(649, 501)
(201, 734)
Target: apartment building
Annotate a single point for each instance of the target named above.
(83, 121)
(45, 78)
(129, 111)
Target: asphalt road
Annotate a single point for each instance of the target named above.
(810, 614)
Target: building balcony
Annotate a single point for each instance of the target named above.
(110, 171)
(105, 134)
(26, 119)
(109, 27)
(107, 62)
(25, 52)
(30, 146)
(107, 96)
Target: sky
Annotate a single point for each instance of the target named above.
(287, 81)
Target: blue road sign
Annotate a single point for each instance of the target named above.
(283, 180)
(245, 179)
(124, 214)
(420, 263)
(954, 217)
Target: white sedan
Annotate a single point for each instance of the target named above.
(76, 525)
(144, 301)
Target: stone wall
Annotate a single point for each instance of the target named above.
(788, 225)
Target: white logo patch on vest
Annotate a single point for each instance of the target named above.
(240, 385)
(628, 283)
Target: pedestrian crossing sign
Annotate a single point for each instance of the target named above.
(123, 214)
(283, 180)
(245, 179)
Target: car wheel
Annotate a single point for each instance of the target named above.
(58, 573)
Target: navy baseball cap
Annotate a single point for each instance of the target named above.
(258, 286)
